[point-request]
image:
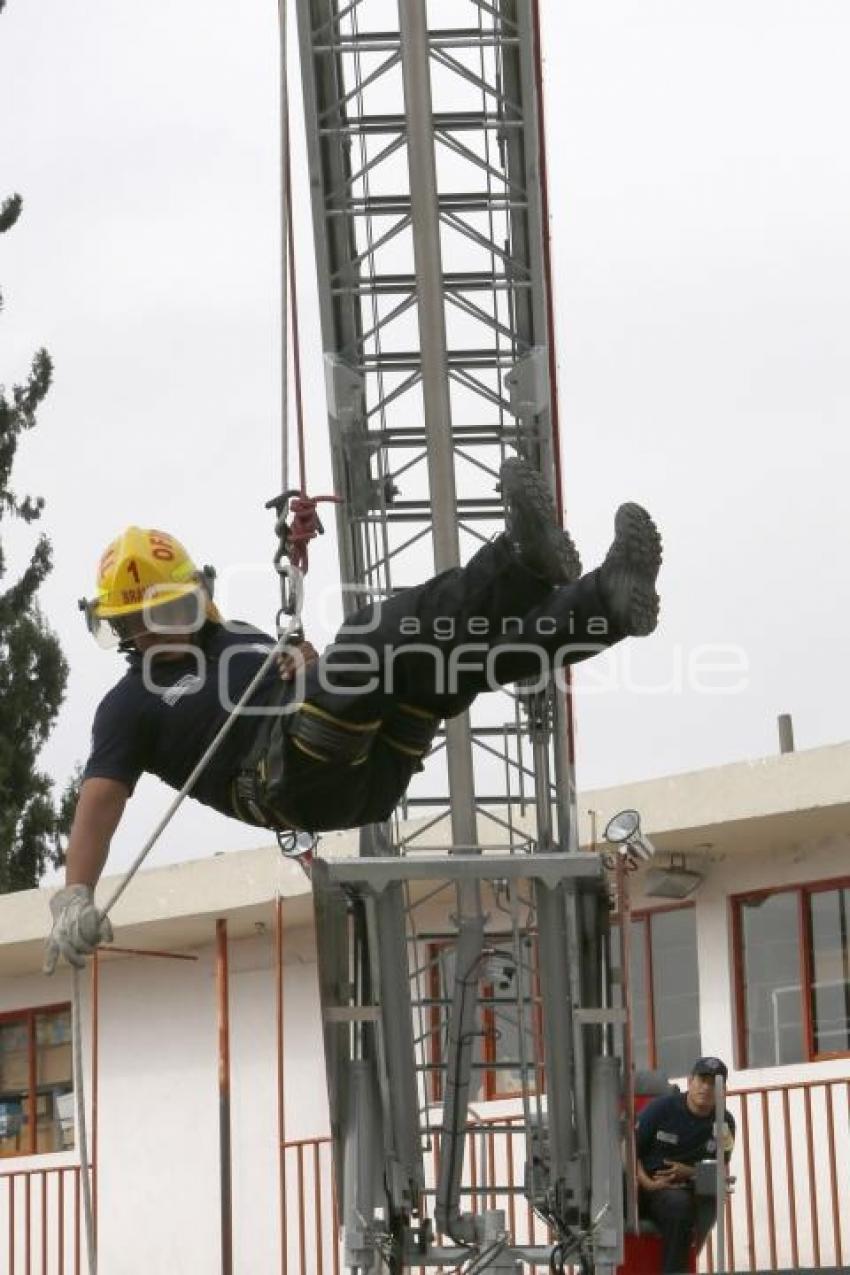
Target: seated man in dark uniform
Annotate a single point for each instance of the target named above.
(674, 1132)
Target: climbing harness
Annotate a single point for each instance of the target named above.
(325, 738)
(410, 730)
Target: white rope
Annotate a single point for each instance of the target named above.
(207, 757)
(79, 1094)
(284, 251)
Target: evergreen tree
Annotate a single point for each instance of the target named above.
(33, 671)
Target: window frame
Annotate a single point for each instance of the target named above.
(491, 1034)
(489, 1051)
(28, 1017)
(803, 890)
(644, 915)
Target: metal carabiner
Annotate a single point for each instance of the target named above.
(288, 618)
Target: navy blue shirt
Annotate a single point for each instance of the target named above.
(667, 1129)
(164, 713)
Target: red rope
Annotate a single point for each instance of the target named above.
(305, 526)
(293, 312)
(306, 523)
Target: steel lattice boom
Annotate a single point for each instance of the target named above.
(424, 150)
(429, 237)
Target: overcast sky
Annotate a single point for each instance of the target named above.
(700, 193)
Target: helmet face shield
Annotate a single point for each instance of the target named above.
(176, 616)
(183, 614)
(101, 630)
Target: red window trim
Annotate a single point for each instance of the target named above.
(491, 1093)
(488, 1076)
(645, 915)
(434, 1081)
(803, 890)
(27, 1017)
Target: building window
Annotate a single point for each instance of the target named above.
(792, 951)
(664, 986)
(498, 1046)
(829, 946)
(36, 1091)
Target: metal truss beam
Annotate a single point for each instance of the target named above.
(428, 234)
(429, 239)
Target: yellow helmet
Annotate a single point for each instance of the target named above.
(139, 574)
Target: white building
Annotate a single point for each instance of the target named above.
(754, 966)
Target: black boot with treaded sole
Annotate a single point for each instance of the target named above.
(532, 526)
(628, 574)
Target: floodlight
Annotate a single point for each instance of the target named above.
(623, 826)
(673, 882)
(624, 830)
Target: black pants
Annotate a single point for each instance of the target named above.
(683, 1218)
(432, 648)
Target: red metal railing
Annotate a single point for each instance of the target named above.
(792, 1163)
(310, 1224)
(41, 1217)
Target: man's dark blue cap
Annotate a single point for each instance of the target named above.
(710, 1067)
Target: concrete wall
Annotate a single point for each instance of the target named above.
(158, 1151)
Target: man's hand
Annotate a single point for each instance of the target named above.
(295, 658)
(679, 1173)
(78, 927)
(661, 1179)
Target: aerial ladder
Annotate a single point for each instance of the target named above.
(427, 179)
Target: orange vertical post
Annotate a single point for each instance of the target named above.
(222, 983)
(281, 1109)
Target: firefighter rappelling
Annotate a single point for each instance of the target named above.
(339, 736)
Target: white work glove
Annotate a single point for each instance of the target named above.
(78, 927)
